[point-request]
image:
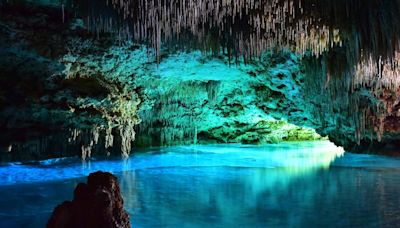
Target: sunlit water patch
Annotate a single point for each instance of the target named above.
(312, 184)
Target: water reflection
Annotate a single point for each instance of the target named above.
(284, 185)
(255, 197)
(297, 157)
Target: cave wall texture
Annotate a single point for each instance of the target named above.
(68, 91)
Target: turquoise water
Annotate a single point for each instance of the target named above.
(284, 185)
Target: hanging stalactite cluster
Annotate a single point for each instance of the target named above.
(365, 95)
(365, 31)
(173, 111)
(242, 28)
(249, 27)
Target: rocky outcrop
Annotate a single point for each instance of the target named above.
(98, 203)
(47, 108)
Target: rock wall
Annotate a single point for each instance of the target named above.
(207, 100)
(68, 92)
(49, 109)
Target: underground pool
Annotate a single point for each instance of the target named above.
(199, 113)
(297, 184)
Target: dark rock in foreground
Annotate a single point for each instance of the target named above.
(96, 204)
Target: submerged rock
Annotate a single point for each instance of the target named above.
(98, 203)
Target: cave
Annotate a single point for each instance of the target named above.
(236, 113)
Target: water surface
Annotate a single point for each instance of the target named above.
(283, 185)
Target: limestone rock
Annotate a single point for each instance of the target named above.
(96, 204)
(65, 93)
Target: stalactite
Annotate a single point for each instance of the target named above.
(247, 26)
(367, 31)
(127, 134)
(366, 94)
(170, 119)
(212, 88)
(109, 138)
(89, 138)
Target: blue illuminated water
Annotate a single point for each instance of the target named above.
(283, 185)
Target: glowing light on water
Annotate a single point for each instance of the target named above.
(293, 157)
